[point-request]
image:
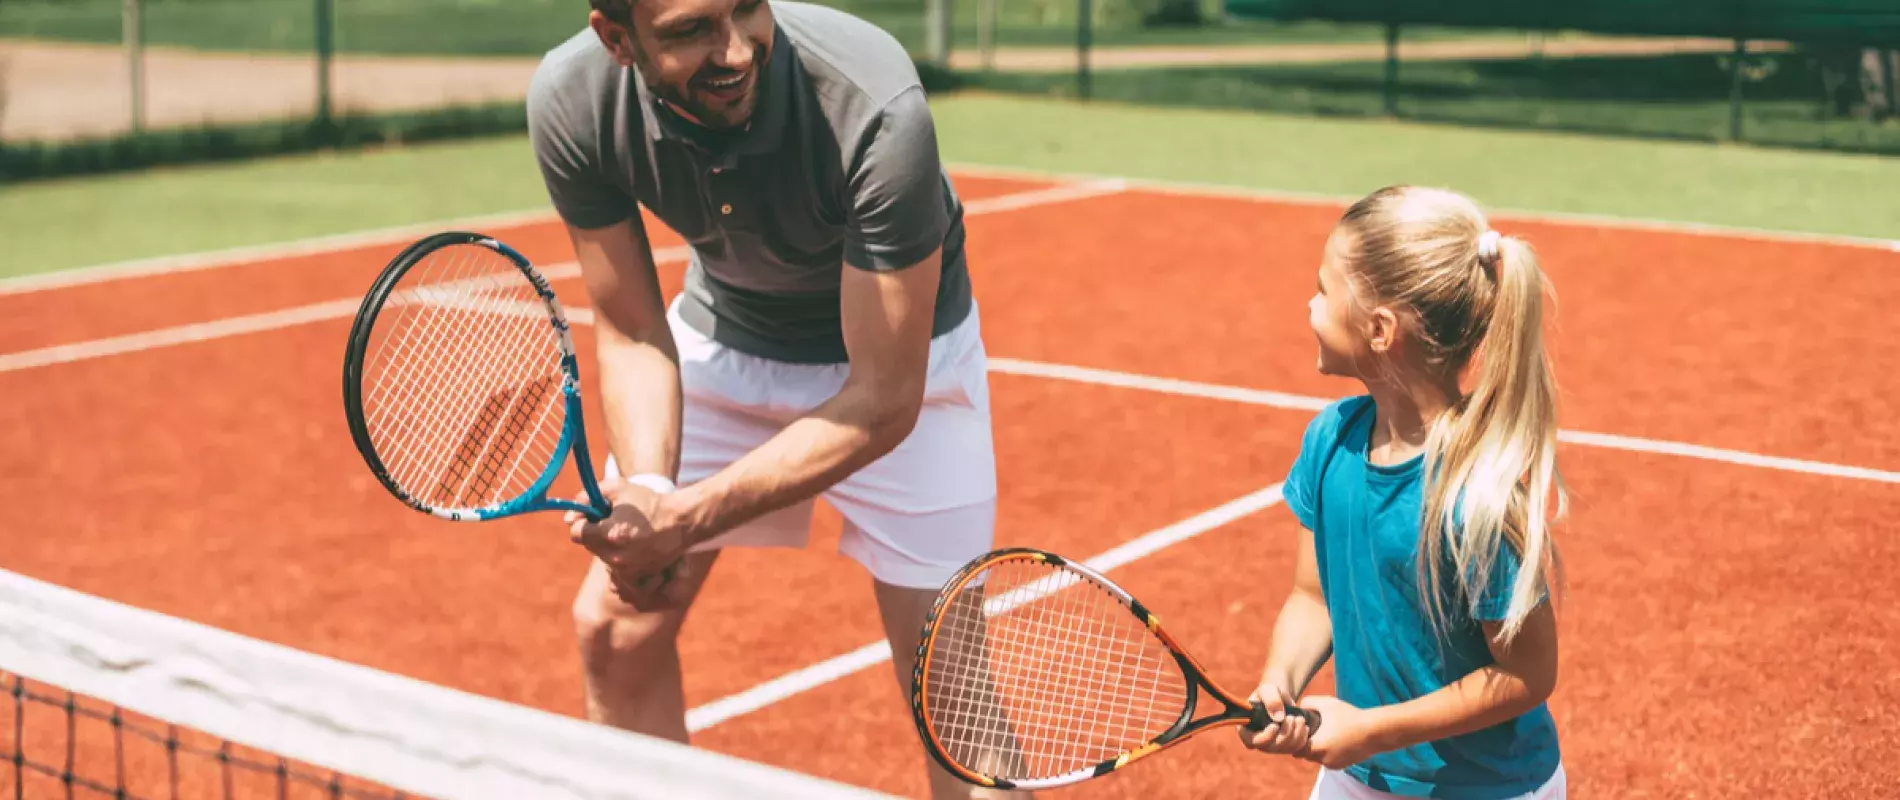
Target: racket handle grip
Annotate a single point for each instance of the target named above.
(1261, 719)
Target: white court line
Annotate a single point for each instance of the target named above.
(250, 254)
(838, 667)
(232, 326)
(1253, 194)
(878, 652)
(339, 309)
(1262, 397)
(182, 334)
(1280, 400)
(1129, 380)
(344, 308)
(1080, 190)
(403, 234)
(240, 256)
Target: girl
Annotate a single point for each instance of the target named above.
(1426, 561)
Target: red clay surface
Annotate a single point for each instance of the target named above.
(1729, 631)
(132, 305)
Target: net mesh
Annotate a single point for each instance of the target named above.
(100, 700)
(60, 744)
(1038, 671)
(462, 380)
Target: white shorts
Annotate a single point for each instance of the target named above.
(1337, 785)
(914, 516)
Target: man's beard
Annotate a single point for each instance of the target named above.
(716, 115)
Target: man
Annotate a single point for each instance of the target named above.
(825, 344)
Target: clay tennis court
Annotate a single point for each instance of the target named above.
(177, 442)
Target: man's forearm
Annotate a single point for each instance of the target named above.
(840, 437)
(638, 362)
(640, 399)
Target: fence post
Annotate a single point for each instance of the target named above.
(986, 32)
(937, 30)
(133, 31)
(1886, 67)
(326, 46)
(1084, 28)
(1736, 66)
(1391, 69)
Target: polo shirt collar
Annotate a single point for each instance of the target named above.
(767, 127)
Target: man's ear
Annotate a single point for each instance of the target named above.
(617, 39)
(1382, 330)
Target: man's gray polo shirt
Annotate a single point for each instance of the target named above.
(839, 167)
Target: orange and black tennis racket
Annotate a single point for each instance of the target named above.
(1035, 671)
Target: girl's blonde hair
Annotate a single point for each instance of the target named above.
(1470, 298)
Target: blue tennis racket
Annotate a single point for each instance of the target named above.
(461, 386)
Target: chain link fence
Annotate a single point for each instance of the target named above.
(319, 72)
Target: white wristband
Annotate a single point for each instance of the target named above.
(660, 484)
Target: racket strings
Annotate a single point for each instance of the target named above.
(1037, 671)
(464, 374)
(501, 422)
(426, 351)
(1098, 667)
(503, 403)
(400, 344)
(477, 467)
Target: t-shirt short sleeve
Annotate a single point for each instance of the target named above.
(899, 213)
(563, 129)
(1302, 488)
(1494, 600)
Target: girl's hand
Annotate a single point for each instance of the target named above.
(1287, 736)
(1347, 734)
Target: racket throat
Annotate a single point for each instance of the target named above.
(1184, 724)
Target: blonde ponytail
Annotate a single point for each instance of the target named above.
(1492, 459)
(1477, 305)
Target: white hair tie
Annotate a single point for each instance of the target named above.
(1488, 247)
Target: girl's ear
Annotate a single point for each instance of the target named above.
(1382, 330)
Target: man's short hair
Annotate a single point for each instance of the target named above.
(620, 11)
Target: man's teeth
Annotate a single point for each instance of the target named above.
(728, 83)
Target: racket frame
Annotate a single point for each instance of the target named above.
(573, 437)
(1237, 712)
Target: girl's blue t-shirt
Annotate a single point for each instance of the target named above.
(1385, 651)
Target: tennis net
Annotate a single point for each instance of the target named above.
(100, 699)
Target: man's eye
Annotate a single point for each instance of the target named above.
(685, 31)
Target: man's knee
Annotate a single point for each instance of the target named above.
(609, 629)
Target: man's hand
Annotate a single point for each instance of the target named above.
(639, 543)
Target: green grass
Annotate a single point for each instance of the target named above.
(68, 223)
(1529, 170)
(39, 160)
(1671, 97)
(484, 27)
(530, 27)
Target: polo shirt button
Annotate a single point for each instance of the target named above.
(726, 209)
